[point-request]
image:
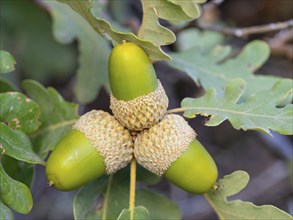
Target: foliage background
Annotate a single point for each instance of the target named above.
(39, 56)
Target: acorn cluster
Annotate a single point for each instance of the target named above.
(100, 143)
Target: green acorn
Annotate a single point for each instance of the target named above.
(96, 145)
(138, 100)
(169, 148)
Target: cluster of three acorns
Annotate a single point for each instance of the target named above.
(101, 144)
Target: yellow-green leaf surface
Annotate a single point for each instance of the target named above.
(209, 64)
(7, 62)
(139, 213)
(260, 111)
(15, 194)
(103, 27)
(94, 50)
(172, 10)
(57, 116)
(237, 209)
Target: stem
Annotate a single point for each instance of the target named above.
(105, 206)
(244, 32)
(221, 217)
(176, 110)
(132, 187)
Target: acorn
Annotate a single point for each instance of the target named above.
(138, 100)
(169, 148)
(96, 145)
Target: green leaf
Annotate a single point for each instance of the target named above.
(172, 10)
(7, 62)
(150, 28)
(146, 176)
(203, 40)
(34, 47)
(15, 194)
(18, 170)
(85, 199)
(201, 63)
(57, 116)
(93, 50)
(16, 144)
(5, 212)
(19, 112)
(259, 112)
(116, 198)
(84, 8)
(19, 115)
(139, 213)
(238, 209)
(7, 86)
(190, 8)
(155, 203)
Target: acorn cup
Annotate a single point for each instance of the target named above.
(96, 145)
(138, 100)
(169, 148)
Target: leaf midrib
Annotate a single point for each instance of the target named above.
(232, 112)
(52, 127)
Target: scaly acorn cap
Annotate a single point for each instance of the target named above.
(158, 147)
(142, 112)
(112, 141)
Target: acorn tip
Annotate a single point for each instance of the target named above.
(215, 186)
(50, 183)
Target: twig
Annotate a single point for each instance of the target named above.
(213, 3)
(280, 44)
(244, 32)
(210, 12)
(217, 2)
(132, 187)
